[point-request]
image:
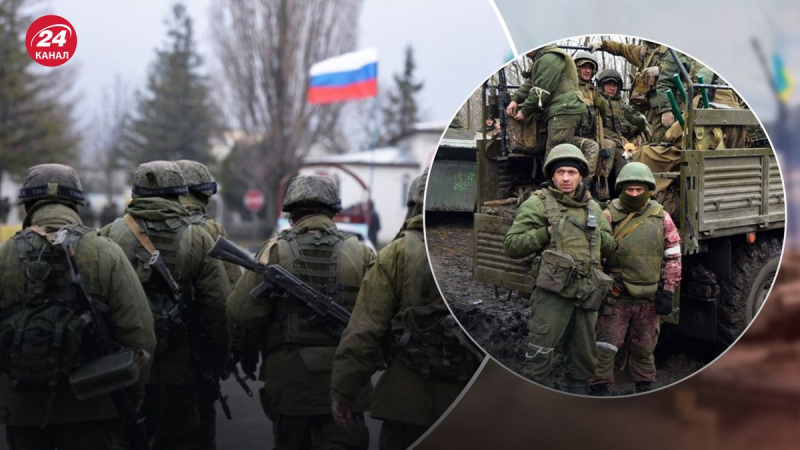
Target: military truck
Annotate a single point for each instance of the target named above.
(731, 220)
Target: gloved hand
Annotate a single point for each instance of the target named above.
(664, 302)
(667, 119)
(652, 72)
(605, 153)
(594, 46)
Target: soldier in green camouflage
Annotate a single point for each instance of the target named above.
(171, 403)
(201, 189)
(567, 233)
(49, 416)
(622, 123)
(551, 92)
(398, 292)
(655, 69)
(299, 356)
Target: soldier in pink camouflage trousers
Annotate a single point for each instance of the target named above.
(646, 267)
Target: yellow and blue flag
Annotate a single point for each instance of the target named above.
(783, 79)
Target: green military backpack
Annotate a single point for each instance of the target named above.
(41, 333)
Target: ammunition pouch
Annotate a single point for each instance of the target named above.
(556, 272)
(639, 90)
(105, 374)
(645, 291)
(610, 302)
(593, 289)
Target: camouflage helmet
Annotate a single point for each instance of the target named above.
(635, 172)
(421, 182)
(608, 75)
(312, 190)
(198, 178)
(565, 152)
(583, 57)
(55, 181)
(158, 179)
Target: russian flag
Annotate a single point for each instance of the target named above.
(345, 77)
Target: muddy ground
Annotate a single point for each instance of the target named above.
(498, 322)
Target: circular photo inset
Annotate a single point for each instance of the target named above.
(605, 215)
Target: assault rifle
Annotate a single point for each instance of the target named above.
(122, 398)
(326, 313)
(502, 104)
(191, 320)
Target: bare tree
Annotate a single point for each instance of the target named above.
(111, 130)
(265, 49)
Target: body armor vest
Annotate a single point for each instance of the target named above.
(568, 81)
(571, 235)
(315, 260)
(640, 248)
(587, 128)
(168, 237)
(615, 119)
(426, 337)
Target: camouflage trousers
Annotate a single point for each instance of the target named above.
(641, 324)
(555, 319)
(561, 130)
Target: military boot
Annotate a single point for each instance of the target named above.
(573, 386)
(643, 386)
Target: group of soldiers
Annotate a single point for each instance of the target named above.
(603, 276)
(188, 317)
(566, 98)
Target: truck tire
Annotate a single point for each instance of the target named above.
(753, 271)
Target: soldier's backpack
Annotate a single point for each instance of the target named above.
(428, 340)
(41, 332)
(425, 336)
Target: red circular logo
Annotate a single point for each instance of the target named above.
(51, 40)
(254, 200)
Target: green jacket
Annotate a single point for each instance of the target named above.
(207, 276)
(198, 211)
(528, 234)
(401, 394)
(107, 275)
(621, 119)
(553, 85)
(640, 56)
(297, 378)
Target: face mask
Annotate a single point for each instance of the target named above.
(635, 203)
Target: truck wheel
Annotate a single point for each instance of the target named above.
(754, 267)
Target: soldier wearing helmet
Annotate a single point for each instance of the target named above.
(597, 157)
(621, 121)
(398, 293)
(40, 408)
(298, 356)
(564, 229)
(201, 188)
(154, 221)
(550, 94)
(646, 267)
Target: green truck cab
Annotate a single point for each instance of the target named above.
(731, 218)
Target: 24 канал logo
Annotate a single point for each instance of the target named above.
(51, 40)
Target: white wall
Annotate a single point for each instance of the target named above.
(390, 188)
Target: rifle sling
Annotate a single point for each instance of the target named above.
(146, 242)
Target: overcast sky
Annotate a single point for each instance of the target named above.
(457, 44)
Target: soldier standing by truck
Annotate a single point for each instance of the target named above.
(299, 356)
(646, 266)
(155, 221)
(427, 367)
(40, 409)
(565, 229)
